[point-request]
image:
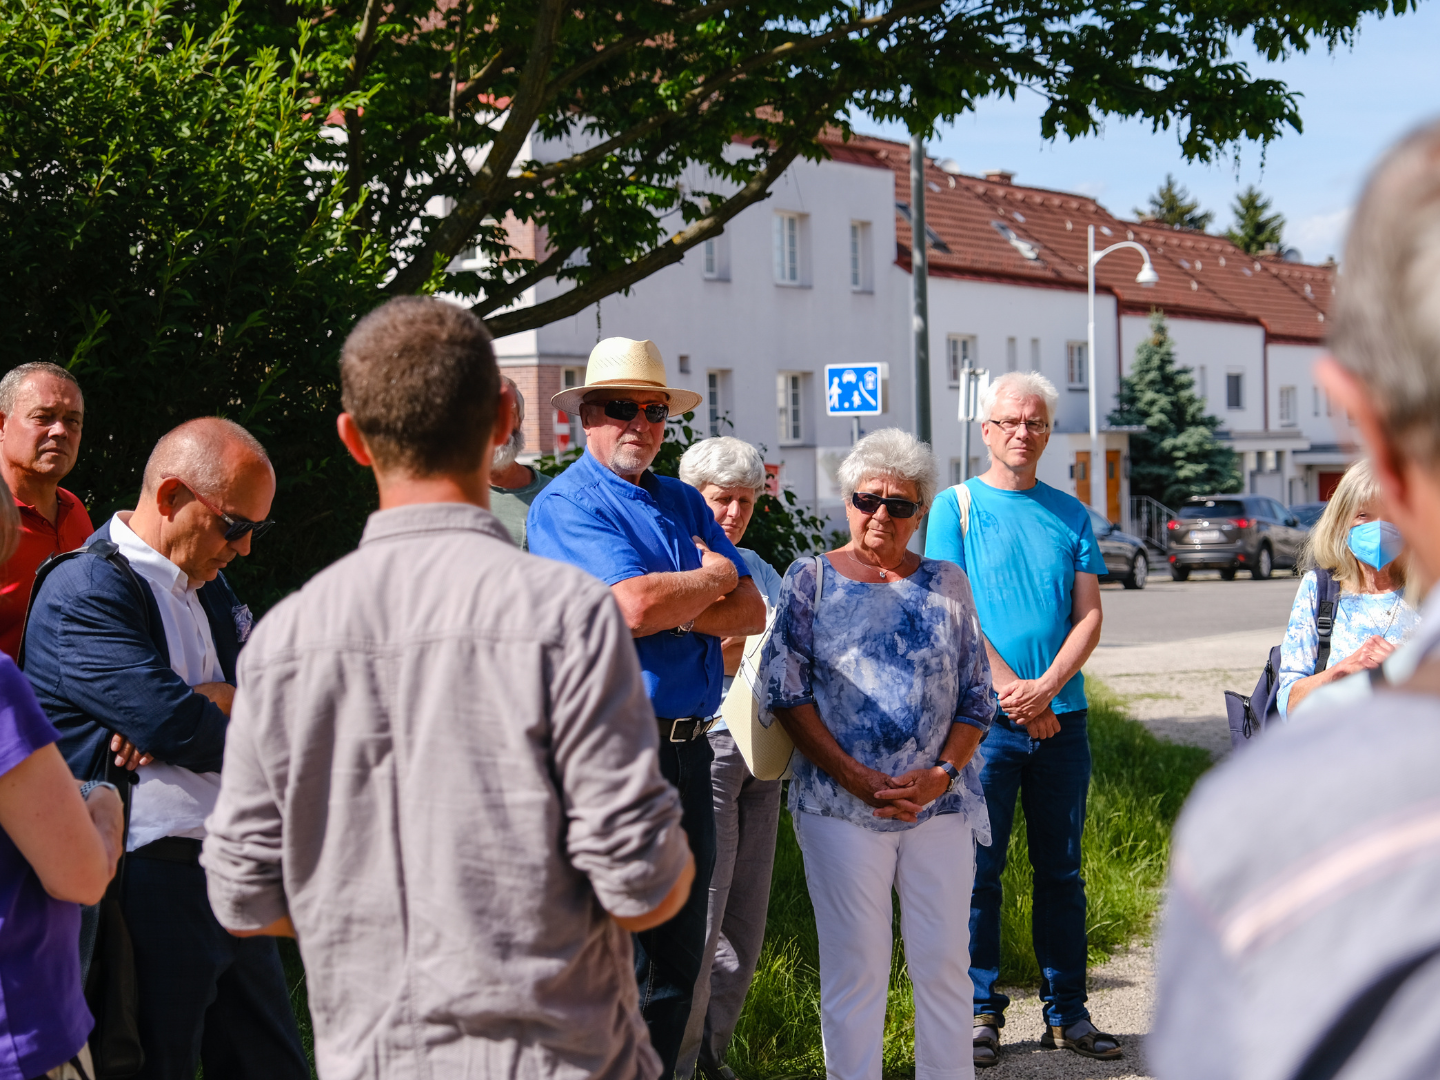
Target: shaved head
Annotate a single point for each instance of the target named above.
(207, 454)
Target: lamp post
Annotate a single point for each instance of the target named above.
(1146, 278)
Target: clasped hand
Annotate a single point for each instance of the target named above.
(901, 797)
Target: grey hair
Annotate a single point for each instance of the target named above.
(195, 452)
(1021, 384)
(894, 453)
(16, 376)
(1386, 315)
(724, 461)
(506, 453)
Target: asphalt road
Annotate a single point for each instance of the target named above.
(1167, 610)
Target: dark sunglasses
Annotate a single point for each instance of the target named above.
(656, 412)
(235, 527)
(870, 504)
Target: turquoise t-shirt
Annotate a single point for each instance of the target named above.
(1021, 553)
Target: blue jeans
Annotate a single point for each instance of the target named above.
(1052, 777)
(669, 957)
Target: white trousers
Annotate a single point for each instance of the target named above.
(850, 872)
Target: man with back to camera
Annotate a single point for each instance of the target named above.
(1301, 933)
(441, 773)
(142, 664)
(513, 486)
(1035, 567)
(42, 413)
(681, 587)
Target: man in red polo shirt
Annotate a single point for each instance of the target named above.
(41, 414)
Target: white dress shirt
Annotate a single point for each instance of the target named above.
(169, 800)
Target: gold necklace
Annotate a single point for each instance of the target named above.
(882, 571)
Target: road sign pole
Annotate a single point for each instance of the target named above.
(854, 430)
(919, 268)
(967, 376)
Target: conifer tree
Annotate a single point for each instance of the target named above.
(1172, 205)
(1177, 455)
(1255, 227)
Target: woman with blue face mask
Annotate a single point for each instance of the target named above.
(1367, 558)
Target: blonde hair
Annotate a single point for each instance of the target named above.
(1328, 545)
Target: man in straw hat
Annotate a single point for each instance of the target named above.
(681, 586)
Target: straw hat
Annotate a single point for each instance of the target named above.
(621, 363)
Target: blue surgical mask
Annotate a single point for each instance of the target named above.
(1376, 543)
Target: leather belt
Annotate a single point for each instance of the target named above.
(685, 729)
(180, 849)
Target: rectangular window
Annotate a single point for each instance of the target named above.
(788, 268)
(683, 362)
(1235, 390)
(790, 406)
(1315, 392)
(717, 400)
(1034, 354)
(1077, 367)
(959, 352)
(1202, 383)
(1012, 354)
(860, 260)
(1288, 395)
(712, 259)
(715, 258)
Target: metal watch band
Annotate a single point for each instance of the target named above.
(91, 785)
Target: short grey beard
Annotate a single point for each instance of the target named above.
(506, 454)
(630, 459)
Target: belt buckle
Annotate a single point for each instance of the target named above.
(675, 726)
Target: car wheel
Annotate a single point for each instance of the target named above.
(1227, 575)
(1177, 574)
(1139, 571)
(1263, 565)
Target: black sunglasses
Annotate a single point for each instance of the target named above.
(869, 504)
(656, 412)
(235, 527)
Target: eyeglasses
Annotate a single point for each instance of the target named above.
(235, 527)
(656, 412)
(870, 504)
(1009, 426)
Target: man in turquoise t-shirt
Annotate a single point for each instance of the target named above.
(1034, 567)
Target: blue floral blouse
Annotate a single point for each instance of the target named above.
(1357, 616)
(890, 667)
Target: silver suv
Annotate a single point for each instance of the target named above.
(1233, 532)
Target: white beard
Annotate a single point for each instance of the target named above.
(505, 455)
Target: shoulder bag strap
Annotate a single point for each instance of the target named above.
(106, 549)
(819, 583)
(962, 500)
(1327, 596)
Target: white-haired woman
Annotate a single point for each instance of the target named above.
(877, 669)
(1354, 544)
(730, 475)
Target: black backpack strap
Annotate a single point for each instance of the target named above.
(1327, 596)
(106, 549)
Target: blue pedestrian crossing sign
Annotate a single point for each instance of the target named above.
(853, 389)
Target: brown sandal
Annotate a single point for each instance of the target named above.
(1054, 1039)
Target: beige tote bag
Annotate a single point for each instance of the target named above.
(767, 751)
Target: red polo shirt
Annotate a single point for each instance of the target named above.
(38, 541)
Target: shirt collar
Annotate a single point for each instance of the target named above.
(645, 491)
(430, 518)
(63, 501)
(147, 562)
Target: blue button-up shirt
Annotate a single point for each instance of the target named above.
(592, 518)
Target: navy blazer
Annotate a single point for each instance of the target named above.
(99, 664)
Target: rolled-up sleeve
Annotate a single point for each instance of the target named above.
(624, 831)
(242, 852)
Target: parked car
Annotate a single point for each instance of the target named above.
(1308, 513)
(1233, 532)
(1124, 555)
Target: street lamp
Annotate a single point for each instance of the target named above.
(1146, 278)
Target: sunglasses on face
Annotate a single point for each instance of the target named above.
(235, 527)
(656, 412)
(870, 504)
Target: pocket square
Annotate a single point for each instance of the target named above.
(244, 622)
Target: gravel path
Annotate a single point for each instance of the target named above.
(1121, 994)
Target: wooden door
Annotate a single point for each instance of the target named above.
(1112, 486)
(1081, 471)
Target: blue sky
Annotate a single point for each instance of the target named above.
(1355, 103)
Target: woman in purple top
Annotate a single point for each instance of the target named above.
(58, 850)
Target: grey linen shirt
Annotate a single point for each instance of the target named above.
(442, 764)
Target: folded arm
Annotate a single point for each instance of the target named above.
(651, 603)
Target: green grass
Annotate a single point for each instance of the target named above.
(1136, 790)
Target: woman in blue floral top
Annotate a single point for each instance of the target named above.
(885, 688)
(1364, 554)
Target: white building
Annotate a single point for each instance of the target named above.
(820, 274)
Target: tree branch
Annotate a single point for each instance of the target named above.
(625, 44)
(457, 227)
(359, 64)
(478, 82)
(500, 297)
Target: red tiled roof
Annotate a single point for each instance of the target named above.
(991, 227)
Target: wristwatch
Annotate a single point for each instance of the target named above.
(952, 772)
(91, 785)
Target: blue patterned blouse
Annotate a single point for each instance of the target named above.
(1357, 616)
(890, 667)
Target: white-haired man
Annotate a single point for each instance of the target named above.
(1301, 934)
(1032, 556)
(513, 486)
